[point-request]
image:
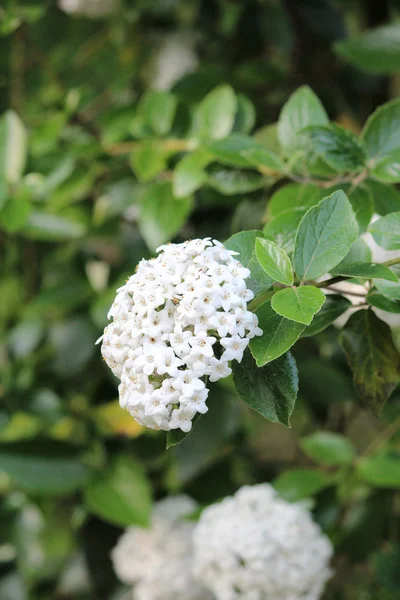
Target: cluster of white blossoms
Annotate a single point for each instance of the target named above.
(158, 560)
(181, 318)
(256, 546)
(92, 9)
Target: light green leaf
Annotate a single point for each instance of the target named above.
(365, 271)
(15, 214)
(327, 448)
(121, 495)
(362, 204)
(382, 302)
(301, 110)
(244, 243)
(43, 468)
(270, 390)
(264, 160)
(215, 115)
(274, 261)
(372, 356)
(340, 148)
(386, 231)
(298, 304)
(389, 289)
(295, 196)
(279, 334)
(245, 115)
(52, 228)
(231, 181)
(333, 307)
(158, 109)
(148, 161)
(381, 133)
(239, 150)
(382, 471)
(189, 174)
(296, 484)
(13, 147)
(387, 169)
(161, 214)
(324, 236)
(360, 251)
(375, 50)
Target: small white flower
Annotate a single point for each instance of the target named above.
(235, 346)
(181, 418)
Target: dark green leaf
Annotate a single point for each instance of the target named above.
(279, 334)
(387, 567)
(161, 214)
(333, 307)
(339, 147)
(362, 203)
(365, 271)
(381, 133)
(386, 197)
(359, 252)
(270, 390)
(244, 243)
(325, 236)
(298, 304)
(372, 356)
(233, 151)
(375, 50)
(283, 228)
(296, 484)
(43, 469)
(295, 196)
(327, 448)
(121, 494)
(382, 302)
(274, 261)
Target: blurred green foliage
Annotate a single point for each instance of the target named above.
(158, 122)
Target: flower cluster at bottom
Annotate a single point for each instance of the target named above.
(181, 318)
(159, 560)
(252, 546)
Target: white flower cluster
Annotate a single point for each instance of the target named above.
(256, 546)
(180, 318)
(92, 9)
(158, 561)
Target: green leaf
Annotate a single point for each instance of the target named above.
(298, 304)
(301, 110)
(239, 150)
(382, 471)
(365, 271)
(386, 231)
(295, 196)
(279, 334)
(161, 214)
(324, 236)
(15, 214)
(387, 169)
(389, 289)
(382, 302)
(176, 436)
(231, 182)
(333, 307)
(121, 495)
(189, 174)
(274, 261)
(244, 243)
(215, 115)
(43, 468)
(245, 115)
(270, 390)
(327, 448)
(386, 565)
(381, 133)
(282, 229)
(360, 251)
(52, 228)
(296, 484)
(375, 50)
(158, 110)
(13, 147)
(362, 204)
(340, 148)
(148, 161)
(386, 197)
(263, 159)
(372, 356)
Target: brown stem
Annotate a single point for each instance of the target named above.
(128, 147)
(392, 262)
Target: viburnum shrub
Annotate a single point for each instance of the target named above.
(200, 309)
